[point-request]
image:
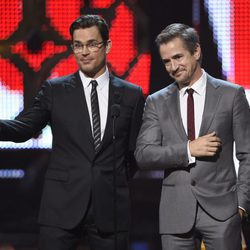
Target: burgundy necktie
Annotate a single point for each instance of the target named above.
(190, 115)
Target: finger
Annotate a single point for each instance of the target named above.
(209, 153)
(214, 139)
(217, 139)
(210, 134)
(216, 144)
(213, 150)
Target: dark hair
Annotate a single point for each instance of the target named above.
(178, 30)
(87, 21)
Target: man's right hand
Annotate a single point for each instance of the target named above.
(207, 145)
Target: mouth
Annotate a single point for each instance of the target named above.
(178, 73)
(85, 60)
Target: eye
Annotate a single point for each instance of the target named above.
(77, 45)
(92, 45)
(178, 57)
(165, 62)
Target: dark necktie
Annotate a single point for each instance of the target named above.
(190, 115)
(95, 116)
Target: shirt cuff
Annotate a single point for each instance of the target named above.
(245, 214)
(242, 208)
(191, 159)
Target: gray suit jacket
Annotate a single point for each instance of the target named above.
(212, 181)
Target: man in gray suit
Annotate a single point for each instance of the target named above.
(188, 130)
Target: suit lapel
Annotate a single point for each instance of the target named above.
(173, 101)
(115, 95)
(211, 101)
(80, 101)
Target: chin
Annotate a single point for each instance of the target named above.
(88, 73)
(181, 81)
(86, 70)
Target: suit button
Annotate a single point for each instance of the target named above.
(193, 183)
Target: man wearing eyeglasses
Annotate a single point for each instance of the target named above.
(86, 183)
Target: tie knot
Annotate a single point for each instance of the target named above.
(190, 91)
(94, 83)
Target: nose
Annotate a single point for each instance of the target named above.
(173, 65)
(85, 50)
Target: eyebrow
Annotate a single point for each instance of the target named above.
(165, 60)
(89, 41)
(177, 55)
(173, 57)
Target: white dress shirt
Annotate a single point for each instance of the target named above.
(199, 94)
(103, 96)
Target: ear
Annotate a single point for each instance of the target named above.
(108, 46)
(197, 51)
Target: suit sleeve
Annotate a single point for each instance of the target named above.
(241, 133)
(136, 121)
(28, 123)
(150, 153)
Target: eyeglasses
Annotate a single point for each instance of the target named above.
(91, 46)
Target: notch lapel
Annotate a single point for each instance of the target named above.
(115, 95)
(211, 102)
(80, 104)
(173, 101)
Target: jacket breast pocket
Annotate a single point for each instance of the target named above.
(57, 175)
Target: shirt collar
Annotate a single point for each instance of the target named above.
(102, 80)
(199, 86)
